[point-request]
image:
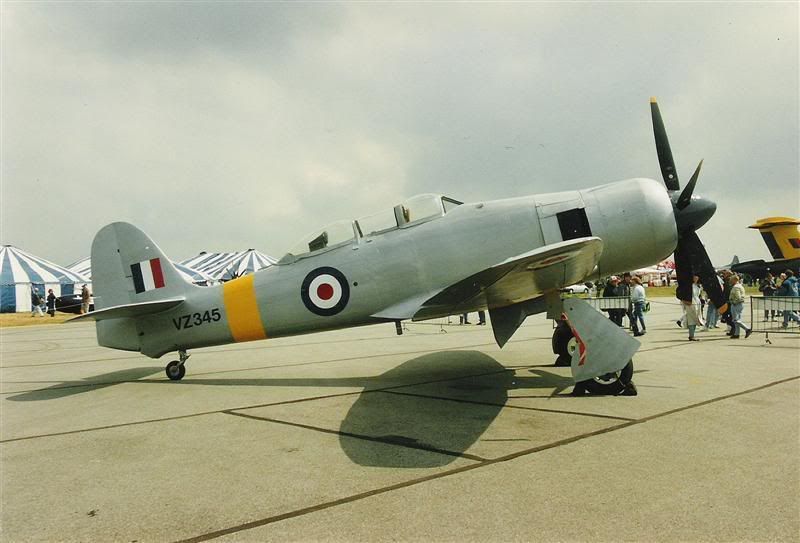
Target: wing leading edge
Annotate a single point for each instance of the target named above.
(513, 281)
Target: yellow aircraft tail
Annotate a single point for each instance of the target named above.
(782, 236)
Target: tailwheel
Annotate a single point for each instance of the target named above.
(175, 370)
(618, 383)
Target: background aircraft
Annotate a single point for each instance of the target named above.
(430, 256)
(782, 236)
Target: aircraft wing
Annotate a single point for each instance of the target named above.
(517, 279)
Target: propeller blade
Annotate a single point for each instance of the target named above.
(683, 271)
(665, 160)
(691, 255)
(686, 195)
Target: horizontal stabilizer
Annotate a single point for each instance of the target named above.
(129, 310)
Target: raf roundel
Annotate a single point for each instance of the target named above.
(325, 291)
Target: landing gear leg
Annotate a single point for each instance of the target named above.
(176, 369)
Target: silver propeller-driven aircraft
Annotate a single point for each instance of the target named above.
(428, 257)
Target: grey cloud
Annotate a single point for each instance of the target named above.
(219, 126)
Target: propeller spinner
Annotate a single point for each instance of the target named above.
(691, 213)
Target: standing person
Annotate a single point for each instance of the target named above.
(481, 318)
(692, 318)
(726, 294)
(791, 289)
(625, 290)
(736, 301)
(612, 289)
(86, 299)
(696, 301)
(463, 319)
(767, 287)
(51, 303)
(638, 299)
(36, 303)
(711, 310)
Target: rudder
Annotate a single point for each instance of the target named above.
(128, 267)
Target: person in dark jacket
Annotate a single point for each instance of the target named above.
(767, 287)
(613, 289)
(51, 303)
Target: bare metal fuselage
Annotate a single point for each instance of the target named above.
(634, 219)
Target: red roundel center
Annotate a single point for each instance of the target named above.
(325, 291)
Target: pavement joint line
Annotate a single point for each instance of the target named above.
(522, 407)
(298, 364)
(376, 439)
(280, 366)
(246, 369)
(243, 408)
(413, 482)
(207, 353)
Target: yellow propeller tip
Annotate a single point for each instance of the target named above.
(652, 99)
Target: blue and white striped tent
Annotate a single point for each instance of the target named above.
(225, 266)
(84, 268)
(19, 271)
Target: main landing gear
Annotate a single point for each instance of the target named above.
(176, 370)
(617, 383)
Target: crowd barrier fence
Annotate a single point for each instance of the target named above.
(769, 313)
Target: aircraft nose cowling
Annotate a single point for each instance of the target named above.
(695, 215)
(636, 221)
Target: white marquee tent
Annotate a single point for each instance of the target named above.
(226, 266)
(21, 271)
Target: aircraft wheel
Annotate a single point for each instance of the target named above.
(564, 343)
(611, 384)
(175, 370)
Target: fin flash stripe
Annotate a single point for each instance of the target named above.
(244, 318)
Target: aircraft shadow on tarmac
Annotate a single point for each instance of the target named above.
(426, 412)
(89, 384)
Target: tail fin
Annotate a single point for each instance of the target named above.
(781, 234)
(131, 277)
(128, 268)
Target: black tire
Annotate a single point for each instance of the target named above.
(175, 370)
(610, 384)
(564, 343)
(561, 336)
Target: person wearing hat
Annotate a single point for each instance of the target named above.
(613, 290)
(86, 299)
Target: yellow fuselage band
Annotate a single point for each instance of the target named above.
(241, 308)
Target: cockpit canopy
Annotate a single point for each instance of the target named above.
(415, 210)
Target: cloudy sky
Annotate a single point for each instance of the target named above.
(224, 126)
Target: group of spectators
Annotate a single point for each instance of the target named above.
(629, 286)
(700, 305)
(49, 303)
(786, 284)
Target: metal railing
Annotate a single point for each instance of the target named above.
(610, 302)
(775, 315)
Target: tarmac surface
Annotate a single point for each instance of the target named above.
(362, 435)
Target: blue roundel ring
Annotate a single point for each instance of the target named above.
(325, 291)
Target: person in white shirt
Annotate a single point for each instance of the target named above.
(736, 300)
(638, 299)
